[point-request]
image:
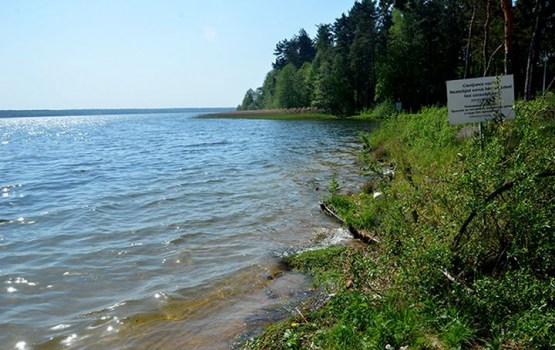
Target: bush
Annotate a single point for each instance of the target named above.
(381, 111)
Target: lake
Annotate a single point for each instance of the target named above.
(158, 230)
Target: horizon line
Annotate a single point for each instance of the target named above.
(108, 108)
(22, 113)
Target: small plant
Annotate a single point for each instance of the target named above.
(381, 111)
(333, 187)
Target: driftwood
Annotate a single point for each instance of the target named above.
(358, 234)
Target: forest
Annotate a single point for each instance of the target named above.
(403, 51)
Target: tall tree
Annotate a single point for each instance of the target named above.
(533, 35)
(341, 80)
(532, 50)
(400, 77)
(341, 89)
(487, 29)
(344, 34)
(322, 66)
(269, 89)
(362, 55)
(305, 81)
(507, 7)
(248, 100)
(470, 30)
(297, 51)
(285, 53)
(288, 88)
(324, 38)
(305, 47)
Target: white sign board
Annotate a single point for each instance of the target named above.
(480, 99)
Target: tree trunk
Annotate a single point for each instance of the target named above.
(532, 52)
(469, 41)
(486, 37)
(507, 7)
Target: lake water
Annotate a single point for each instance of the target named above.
(157, 230)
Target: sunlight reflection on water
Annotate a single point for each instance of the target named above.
(162, 221)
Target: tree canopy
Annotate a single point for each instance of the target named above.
(405, 50)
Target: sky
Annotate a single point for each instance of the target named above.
(77, 54)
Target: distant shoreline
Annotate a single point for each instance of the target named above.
(105, 111)
(281, 114)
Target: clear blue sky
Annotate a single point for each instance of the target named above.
(61, 54)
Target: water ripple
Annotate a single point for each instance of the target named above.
(110, 219)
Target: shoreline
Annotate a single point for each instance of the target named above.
(274, 114)
(289, 283)
(415, 288)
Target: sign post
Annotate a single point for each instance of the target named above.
(481, 99)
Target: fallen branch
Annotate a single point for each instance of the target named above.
(302, 316)
(360, 235)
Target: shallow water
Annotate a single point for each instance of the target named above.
(156, 230)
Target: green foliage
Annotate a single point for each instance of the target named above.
(381, 111)
(269, 90)
(271, 114)
(470, 224)
(333, 187)
(362, 54)
(510, 184)
(406, 50)
(360, 321)
(323, 265)
(398, 78)
(253, 100)
(289, 88)
(297, 51)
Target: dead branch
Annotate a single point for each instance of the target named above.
(360, 235)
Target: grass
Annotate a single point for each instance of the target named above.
(466, 258)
